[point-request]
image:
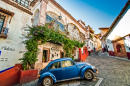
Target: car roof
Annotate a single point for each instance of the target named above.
(61, 59)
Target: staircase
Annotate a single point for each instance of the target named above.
(99, 53)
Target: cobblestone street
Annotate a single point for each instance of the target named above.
(115, 72)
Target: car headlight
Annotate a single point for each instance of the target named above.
(93, 67)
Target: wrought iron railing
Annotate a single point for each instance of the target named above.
(24, 3)
(4, 32)
(56, 23)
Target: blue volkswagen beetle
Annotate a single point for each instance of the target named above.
(64, 69)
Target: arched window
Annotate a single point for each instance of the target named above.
(119, 49)
(36, 18)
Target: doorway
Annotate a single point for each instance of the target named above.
(45, 55)
(119, 49)
(61, 54)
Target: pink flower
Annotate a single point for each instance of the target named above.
(35, 33)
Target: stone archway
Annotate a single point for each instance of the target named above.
(119, 49)
(36, 18)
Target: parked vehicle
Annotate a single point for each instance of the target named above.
(64, 69)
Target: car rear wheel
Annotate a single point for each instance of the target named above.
(47, 81)
(89, 75)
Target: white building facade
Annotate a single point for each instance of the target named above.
(118, 36)
(15, 15)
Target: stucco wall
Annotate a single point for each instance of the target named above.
(11, 48)
(127, 44)
(98, 43)
(103, 31)
(121, 28)
(55, 50)
(66, 19)
(109, 45)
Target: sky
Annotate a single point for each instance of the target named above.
(96, 13)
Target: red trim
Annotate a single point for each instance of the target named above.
(128, 54)
(102, 49)
(49, 55)
(111, 53)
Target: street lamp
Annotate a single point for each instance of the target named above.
(60, 17)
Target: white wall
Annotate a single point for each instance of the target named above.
(127, 43)
(11, 48)
(121, 28)
(52, 8)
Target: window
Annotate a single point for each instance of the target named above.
(67, 63)
(25, 3)
(36, 18)
(2, 19)
(45, 55)
(55, 65)
(62, 54)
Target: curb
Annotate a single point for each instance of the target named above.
(119, 58)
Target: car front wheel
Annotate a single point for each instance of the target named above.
(47, 81)
(89, 75)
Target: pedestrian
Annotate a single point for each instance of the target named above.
(89, 51)
(94, 49)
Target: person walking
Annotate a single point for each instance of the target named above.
(94, 49)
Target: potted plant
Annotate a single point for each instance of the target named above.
(29, 58)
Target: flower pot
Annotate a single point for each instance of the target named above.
(27, 76)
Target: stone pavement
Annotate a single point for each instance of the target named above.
(114, 71)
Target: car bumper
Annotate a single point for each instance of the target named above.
(95, 70)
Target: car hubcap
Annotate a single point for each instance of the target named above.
(88, 75)
(47, 82)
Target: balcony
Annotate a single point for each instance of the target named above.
(24, 3)
(55, 23)
(3, 33)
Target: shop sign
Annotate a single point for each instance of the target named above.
(54, 49)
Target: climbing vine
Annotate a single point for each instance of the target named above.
(41, 34)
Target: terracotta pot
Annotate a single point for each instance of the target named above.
(27, 76)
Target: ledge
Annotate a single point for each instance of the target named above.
(13, 3)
